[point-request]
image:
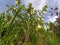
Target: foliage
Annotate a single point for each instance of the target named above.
(23, 26)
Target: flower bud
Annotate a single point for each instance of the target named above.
(17, 2)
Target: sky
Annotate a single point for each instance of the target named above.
(3, 4)
(37, 4)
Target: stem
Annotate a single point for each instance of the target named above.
(18, 10)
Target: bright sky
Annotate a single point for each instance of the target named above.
(37, 4)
